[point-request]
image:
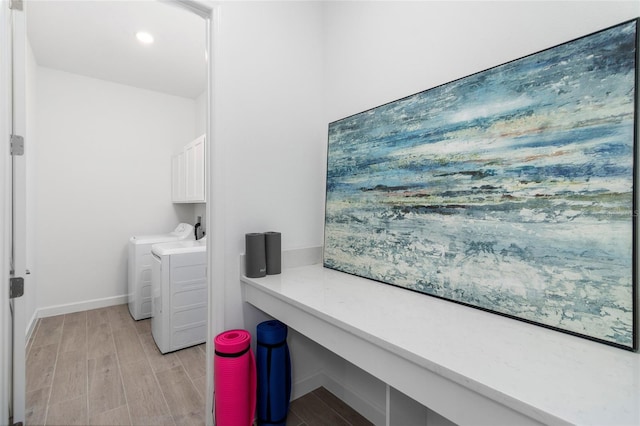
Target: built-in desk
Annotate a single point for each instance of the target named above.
(470, 366)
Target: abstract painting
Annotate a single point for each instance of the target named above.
(510, 190)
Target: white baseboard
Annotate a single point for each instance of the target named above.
(373, 413)
(305, 385)
(351, 397)
(81, 306)
(31, 327)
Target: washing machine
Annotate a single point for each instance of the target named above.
(179, 302)
(139, 268)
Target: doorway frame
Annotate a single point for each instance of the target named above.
(12, 224)
(214, 189)
(5, 212)
(209, 11)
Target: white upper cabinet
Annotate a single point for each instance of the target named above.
(188, 169)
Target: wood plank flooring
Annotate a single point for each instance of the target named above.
(321, 408)
(100, 367)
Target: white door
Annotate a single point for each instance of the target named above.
(5, 200)
(13, 230)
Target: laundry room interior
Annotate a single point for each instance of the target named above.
(252, 85)
(103, 148)
(117, 152)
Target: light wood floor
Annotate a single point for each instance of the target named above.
(101, 367)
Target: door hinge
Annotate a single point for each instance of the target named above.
(16, 287)
(15, 4)
(17, 145)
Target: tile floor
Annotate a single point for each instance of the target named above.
(101, 367)
(321, 408)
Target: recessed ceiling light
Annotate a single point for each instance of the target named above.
(144, 37)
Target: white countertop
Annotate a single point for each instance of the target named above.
(545, 374)
(180, 247)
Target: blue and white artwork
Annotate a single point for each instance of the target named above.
(510, 190)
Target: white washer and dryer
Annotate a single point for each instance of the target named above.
(139, 268)
(179, 276)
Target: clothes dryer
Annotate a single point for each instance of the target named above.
(139, 268)
(179, 302)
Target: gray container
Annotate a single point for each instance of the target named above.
(273, 242)
(255, 258)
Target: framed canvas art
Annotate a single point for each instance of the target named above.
(511, 190)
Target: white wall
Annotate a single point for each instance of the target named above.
(103, 175)
(284, 70)
(378, 52)
(267, 158)
(201, 113)
(270, 126)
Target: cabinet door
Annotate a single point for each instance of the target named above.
(190, 160)
(189, 173)
(199, 167)
(178, 178)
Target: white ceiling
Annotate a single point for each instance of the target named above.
(97, 39)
